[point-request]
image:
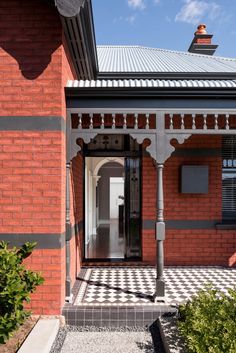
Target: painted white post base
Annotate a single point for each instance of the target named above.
(160, 300)
(69, 299)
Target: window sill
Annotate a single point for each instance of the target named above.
(226, 226)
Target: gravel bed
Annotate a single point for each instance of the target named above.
(71, 339)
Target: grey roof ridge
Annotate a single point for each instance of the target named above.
(167, 50)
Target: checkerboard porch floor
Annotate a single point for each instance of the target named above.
(121, 286)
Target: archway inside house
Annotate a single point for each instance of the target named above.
(105, 208)
(112, 200)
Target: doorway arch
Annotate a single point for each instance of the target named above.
(107, 160)
(104, 185)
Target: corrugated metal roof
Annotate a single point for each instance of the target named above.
(135, 83)
(137, 59)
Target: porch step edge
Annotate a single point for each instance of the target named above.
(171, 339)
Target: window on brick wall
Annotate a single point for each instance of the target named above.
(229, 178)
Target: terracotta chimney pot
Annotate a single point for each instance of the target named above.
(201, 29)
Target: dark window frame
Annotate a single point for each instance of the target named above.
(229, 179)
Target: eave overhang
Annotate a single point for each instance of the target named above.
(120, 92)
(77, 21)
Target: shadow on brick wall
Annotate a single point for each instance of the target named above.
(30, 33)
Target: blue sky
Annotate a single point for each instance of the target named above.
(166, 24)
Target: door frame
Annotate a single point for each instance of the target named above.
(123, 154)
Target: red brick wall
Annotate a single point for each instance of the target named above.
(196, 246)
(32, 201)
(68, 72)
(50, 297)
(31, 184)
(34, 68)
(200, 247)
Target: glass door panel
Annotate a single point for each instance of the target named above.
(132, 207)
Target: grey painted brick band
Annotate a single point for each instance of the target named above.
(44, 241)
(229, 226)
(183, 224)
(191, 224)
(32, 123)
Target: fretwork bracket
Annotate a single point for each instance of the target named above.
(160, 148)
(86, 136)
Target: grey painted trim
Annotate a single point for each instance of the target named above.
(191, 224)
(32, 123)
(226, 226)
(131, 92)
(166, 75)
(150, 103)
(149, 224)
(197, 152)
(78, 26)
(183, 224)
(44, 241)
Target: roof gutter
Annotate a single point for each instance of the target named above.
(77, 21)
(121, 92)
(167, 75)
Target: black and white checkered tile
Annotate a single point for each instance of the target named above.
(136, 285)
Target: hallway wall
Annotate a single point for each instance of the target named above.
(109, 170)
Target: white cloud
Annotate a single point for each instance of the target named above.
(194, 11)
(137, 4)
(156, 1)
(130, 19)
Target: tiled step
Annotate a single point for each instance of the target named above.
(113, 316)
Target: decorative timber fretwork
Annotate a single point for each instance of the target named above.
(159, 127)
(200, 123)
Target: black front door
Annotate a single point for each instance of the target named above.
(132, 207)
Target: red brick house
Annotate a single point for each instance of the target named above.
(112, 153)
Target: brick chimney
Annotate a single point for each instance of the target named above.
(201, 43)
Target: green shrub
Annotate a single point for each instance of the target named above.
(208, 322)
(16, 284)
